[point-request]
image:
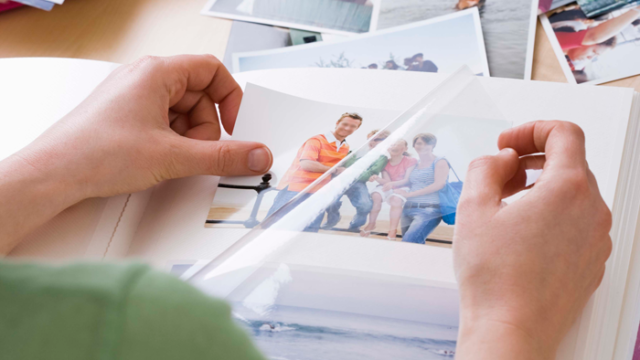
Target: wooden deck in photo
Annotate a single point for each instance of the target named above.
(442, 233)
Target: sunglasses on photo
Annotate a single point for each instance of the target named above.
(379, 139)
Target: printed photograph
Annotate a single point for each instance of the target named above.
(332, 16)
(595, 50)
(292, 313)
(593, 8)
(546, 5)
(439, 45)
(398, 196)
(505, 24)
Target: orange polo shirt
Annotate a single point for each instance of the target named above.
(319, 149)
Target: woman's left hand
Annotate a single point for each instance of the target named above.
(149, 121)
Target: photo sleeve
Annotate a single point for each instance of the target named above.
(310, 150)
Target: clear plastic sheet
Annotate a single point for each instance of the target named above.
(306, 295)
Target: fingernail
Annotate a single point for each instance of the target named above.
(259, 159)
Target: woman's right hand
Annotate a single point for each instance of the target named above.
(526, 270)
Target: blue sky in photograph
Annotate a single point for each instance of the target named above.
(449, 44)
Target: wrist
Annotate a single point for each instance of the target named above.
(30, 198)
(498, 340)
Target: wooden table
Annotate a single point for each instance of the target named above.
(123, 30)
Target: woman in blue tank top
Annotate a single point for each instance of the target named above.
(421, 213)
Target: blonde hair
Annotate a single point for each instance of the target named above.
(428, 139)
(382, 134)
(406, 145)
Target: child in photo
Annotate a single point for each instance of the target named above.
(395, 175)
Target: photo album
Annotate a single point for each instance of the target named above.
(343, 249)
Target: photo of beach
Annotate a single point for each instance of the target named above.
(505, 24)
(337, 16)
(438, 45)
(296, 312)
(314, 338)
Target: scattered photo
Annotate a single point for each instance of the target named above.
(390, 198)
(438, 45)
(506, 25)
(597, 50)
(246, 36)
(547, 5)
(332, 16)
(594, 8)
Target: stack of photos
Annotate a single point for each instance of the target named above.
(438, 45)
(394, 198)
(508, 27)
(331, 16)
(595, 50)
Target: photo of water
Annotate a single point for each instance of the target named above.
(348, 16)
(505, 24)
(310, 334)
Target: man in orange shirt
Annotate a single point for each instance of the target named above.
(316, 156)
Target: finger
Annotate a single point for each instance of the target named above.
(519, 181)
(562, 142)
(188, 101)
(486, 178)
(200, 121)
(179, 75)
(180, 123)
(206, 73)
(223, 158)
(202, 116)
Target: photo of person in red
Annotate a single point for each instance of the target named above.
(584, 42)
(316, 156)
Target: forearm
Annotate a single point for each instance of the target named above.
(31, 196)
(399, 183)
(313, 166)
(498, 341)
(427, 190)
(610, 28)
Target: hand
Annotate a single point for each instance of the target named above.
(526, 270)
(401, 192)
(150, 121)
(373, 178)
(388, 186)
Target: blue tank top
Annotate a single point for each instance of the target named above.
(420, 179)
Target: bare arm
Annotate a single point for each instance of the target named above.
(440, 180)
(610, 28)
(313, 166)
(119, 141)
(405, 181)
(384, 179)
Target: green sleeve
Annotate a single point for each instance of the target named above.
(375, 169)
(108, 312)
(350, 162)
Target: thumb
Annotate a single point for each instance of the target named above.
(486, 179)
(222, 158)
